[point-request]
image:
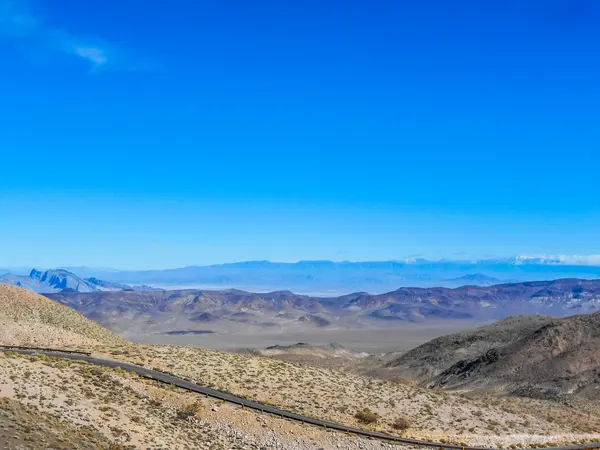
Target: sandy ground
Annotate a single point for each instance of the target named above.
(378, 340)
(339, 396)
(139, 413)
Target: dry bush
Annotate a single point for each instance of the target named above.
(190, 410)
(401, 424)
(366, 416)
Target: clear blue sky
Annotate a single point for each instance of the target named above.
(141, 134)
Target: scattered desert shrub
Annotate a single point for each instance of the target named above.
(366, 416)
(401, 424)
(189, 411)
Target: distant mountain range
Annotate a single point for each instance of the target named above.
(335, 278)
(62, 280)
(317, 278)
(160, 311)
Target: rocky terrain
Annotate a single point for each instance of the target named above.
(54, 403)
(341, 396)
(430, 359)
(332, 356)
(192, 309)
(25, 427)
(123, 409)
(560, 360)
(59, 280)
(534, 356)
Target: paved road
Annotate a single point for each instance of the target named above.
(181, 383)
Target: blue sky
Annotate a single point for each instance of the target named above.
(158, 134)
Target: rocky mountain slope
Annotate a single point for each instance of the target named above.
(430, 359)
(535, 356)
(191, 308)
(559, 360)
(59, 280)
(55, 403)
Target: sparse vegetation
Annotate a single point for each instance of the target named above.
(190, 410)
(126, 408)
(366, 416)
(401, 424)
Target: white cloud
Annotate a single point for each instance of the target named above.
(577, 260)
(96, 56)
(20, 24)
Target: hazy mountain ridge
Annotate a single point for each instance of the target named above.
(186, 308)
(335, 278)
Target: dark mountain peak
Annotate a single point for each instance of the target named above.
(35, 273)
(478, 278)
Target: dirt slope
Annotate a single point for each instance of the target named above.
(27, 318)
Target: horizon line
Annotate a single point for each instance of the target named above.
(545, 260)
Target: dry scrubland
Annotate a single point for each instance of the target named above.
(116, 410)
(27, 318)
(111, 409)
(55, 403)
(333, 395)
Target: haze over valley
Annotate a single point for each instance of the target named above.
(317, 278)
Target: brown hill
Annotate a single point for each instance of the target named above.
(560, 360)
(27, 318)
(430, 359)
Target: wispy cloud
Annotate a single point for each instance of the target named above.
(19, 23)
(96, 56)
(576, 260)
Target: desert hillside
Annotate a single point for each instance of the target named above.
(430, 359)
(560, 360)
(27, 318)
(398, 408)
(56, 403)
(109, 403)
(530, 356)
(53, 403)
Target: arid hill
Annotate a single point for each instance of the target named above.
(430, 359)
(533, 356)
(27, 318)
(559, 360)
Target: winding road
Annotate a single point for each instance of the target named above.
(187, 385)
